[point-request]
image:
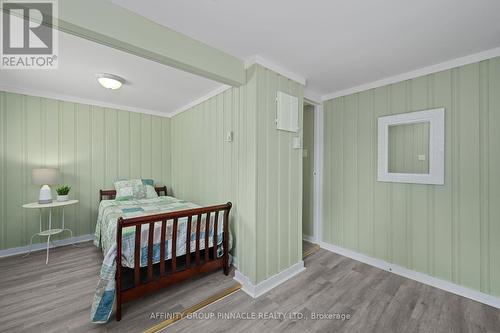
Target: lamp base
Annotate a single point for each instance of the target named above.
(45, 196)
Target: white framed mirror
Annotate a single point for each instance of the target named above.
(411, 147)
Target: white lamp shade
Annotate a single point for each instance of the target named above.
(45, 176)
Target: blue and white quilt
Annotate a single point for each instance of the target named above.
(105, 238)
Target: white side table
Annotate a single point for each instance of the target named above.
(50, 231)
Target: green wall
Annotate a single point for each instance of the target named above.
(450, 232)
(92, 146)
(308, 173)
(279, 179)
(259, 171)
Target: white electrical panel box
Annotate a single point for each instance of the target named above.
(287, 113)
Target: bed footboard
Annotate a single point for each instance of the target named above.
(176, 269)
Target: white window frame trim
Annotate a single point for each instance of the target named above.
(435, 117)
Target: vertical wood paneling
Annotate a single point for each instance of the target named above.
(3, 169)
(398, 192)
(146, 146)
(98, 158)
(84, 172)
(364, 159)
(468, 162)
(33, 157)
(91, 147)
(68, 160)
(418, 211)
(443, 195)
(484, 175)
(451, 231)
(350, 174)
(493, 197)
(259, 171)
(381, 193)
(13, 171)
(111, 146)
(135, 142)
(123, 145)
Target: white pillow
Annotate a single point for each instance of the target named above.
(151, 192)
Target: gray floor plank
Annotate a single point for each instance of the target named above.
(57, 297)
(35, 297)
(377, 301)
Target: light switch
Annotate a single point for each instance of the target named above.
(296, 144)
(304, 153)
(421, 157)
(229, 136)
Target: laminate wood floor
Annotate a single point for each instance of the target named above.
(308, 247)
(375, 300)
(35, 297)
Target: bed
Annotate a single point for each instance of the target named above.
(149, 244)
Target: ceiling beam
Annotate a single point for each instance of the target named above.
(112, 25)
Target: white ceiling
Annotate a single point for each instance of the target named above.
(335, 44)
(150, 87)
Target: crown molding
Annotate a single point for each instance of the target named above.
(200, 100)
(470, 59)
(257, 59)
(73, 99)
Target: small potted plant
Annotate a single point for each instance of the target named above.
(62, 193)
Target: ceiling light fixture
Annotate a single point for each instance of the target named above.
(110, 81)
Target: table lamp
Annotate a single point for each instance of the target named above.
(45, 177)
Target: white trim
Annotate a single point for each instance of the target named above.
(67, 98)
(310, 239)
(257, 59)
(43, 246)
(200, 100)
(435, 118)
(318, 171)
(470, 59)
(417, 276)
(256, 290)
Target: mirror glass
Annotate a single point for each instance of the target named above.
(408, 148)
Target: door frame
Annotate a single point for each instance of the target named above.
(317, 173)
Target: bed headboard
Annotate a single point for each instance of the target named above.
(110, 194)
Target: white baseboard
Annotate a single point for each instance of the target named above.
(256, 290)
(42, 246)
(417, 276)
(309, 239)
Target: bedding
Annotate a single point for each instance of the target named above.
(130, 189)
(151, 192)
(105, 238)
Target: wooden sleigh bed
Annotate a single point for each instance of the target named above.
(133, 283)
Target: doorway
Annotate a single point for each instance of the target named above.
(308, 195)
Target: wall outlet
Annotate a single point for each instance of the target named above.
(229, 136)
(421, 157)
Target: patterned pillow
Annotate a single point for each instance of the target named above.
(140, 191)
(128, 189)
(148, 182)
(151, 192)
